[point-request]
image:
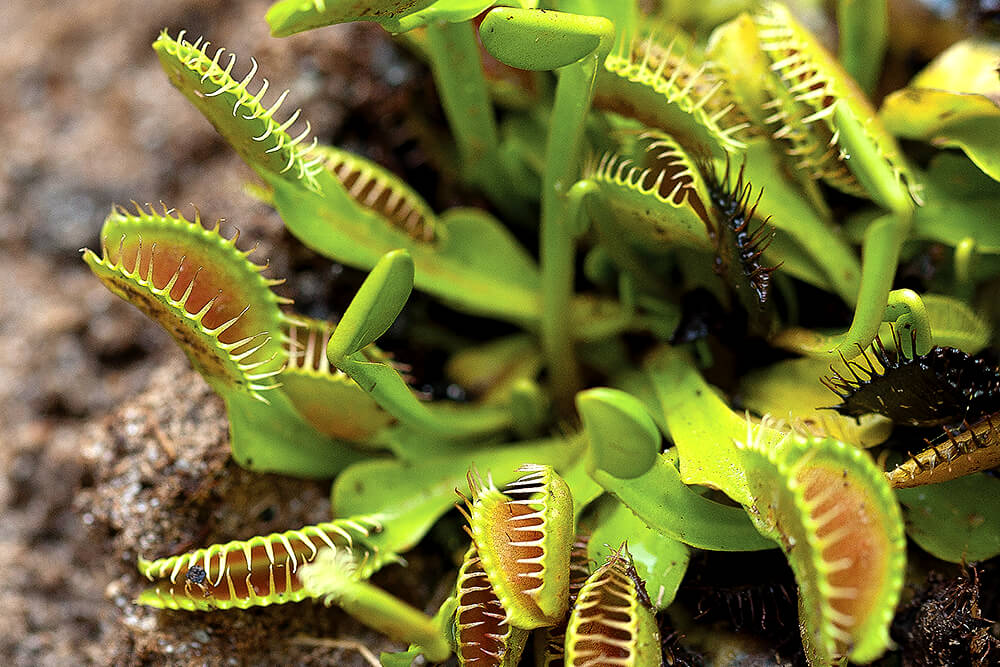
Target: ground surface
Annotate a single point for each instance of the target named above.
(111, 446)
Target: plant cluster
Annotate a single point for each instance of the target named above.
(722, 193)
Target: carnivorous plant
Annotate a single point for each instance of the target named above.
(680, 203)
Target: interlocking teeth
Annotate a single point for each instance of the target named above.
(297, 154)
(261, 571)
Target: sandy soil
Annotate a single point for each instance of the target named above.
(111, 446)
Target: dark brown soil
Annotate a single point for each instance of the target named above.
(112, 447)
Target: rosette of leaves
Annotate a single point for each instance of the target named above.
(661, 163)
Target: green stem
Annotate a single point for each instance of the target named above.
(574, 93)
(879, 257)
(462, 87)
(907, 310)
(465, 97)
(391, 616)
(389, 391)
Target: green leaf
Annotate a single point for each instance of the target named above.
(375, 307)
(543, 40)
(864, 33)
(583, 487)
(409, 496)
(275, 438)
(454, 11)
(287, 17)
(955, 324)
(953, 103)
(947, 120)
(667, 505)
(703, 428)
(955, 521)
(624, 440)
(961, 204)
(624, 15)
(477, 266)
(440, 423)
(330, 575)
(660, 561)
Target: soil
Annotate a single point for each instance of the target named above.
(112, 447)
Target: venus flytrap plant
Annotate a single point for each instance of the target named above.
(483, 632)
(973, 449)
(860, 157)
(523, 536)
(313, 386)
(550, 643)
(221, 310)
(261, 571)
(311, 195)
(827, 506)
(411, 495)
(660, 561)
(666, 160)
(371, 312)
(612, 622)
(841, 529)
(204, 290)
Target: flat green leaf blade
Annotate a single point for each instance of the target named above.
(478, 267)
(274, 438)
(955, 521)
(660, 560)
(955, 324)
(703, 427)
(410, 496)
(667, 505)
(947, 119)
(961, 204)
(288, 17)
